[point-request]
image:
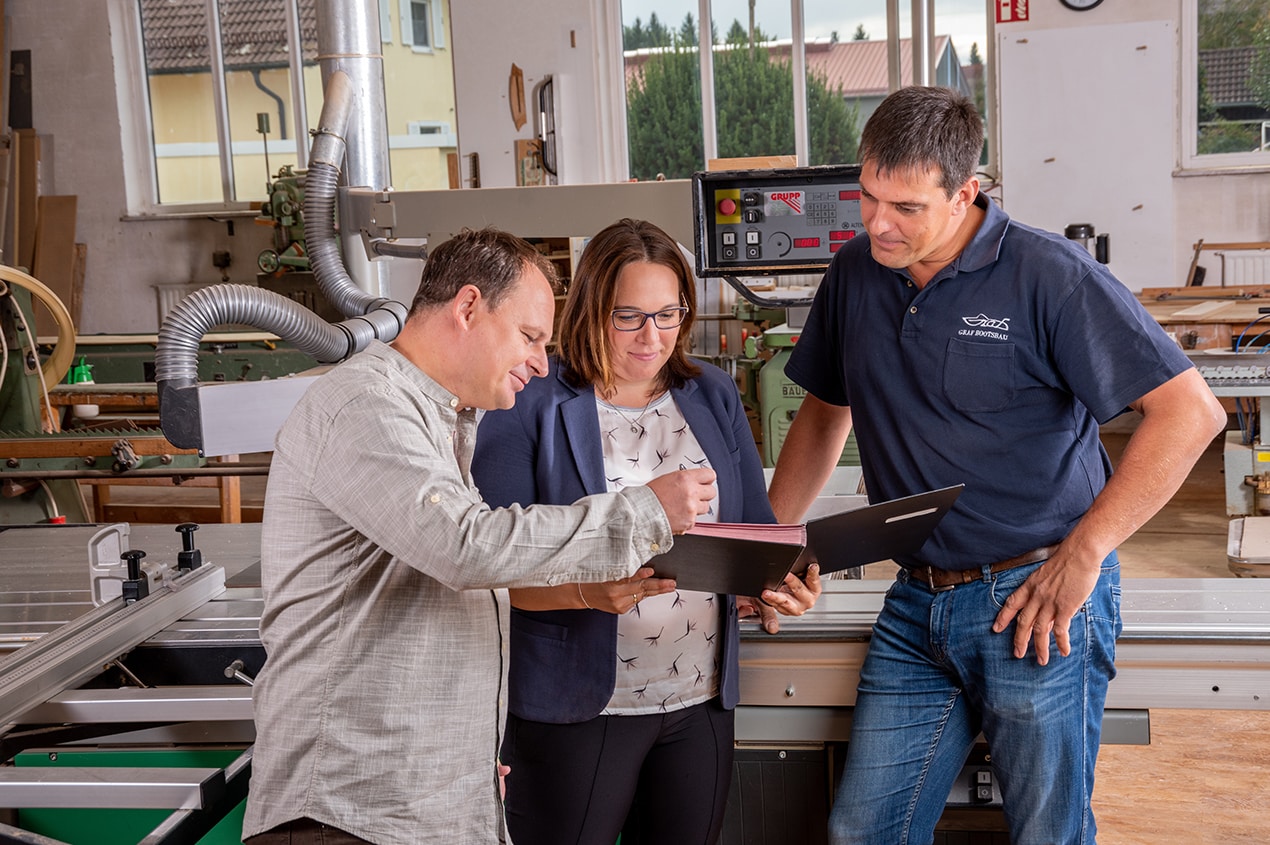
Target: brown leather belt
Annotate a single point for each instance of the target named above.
(946, 579)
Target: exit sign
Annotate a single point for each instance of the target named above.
(1009, 11)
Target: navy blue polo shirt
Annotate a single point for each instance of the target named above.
(995, 375)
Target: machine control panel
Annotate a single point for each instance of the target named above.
(764, 222)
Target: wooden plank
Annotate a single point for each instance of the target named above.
(79, 268)
(6, 165)
(54, 255)
(1203, 309)
(27, 189)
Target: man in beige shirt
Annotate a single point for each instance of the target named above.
(380, 708)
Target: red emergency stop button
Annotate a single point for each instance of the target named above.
(727, 207)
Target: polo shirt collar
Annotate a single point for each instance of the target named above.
(985, 247)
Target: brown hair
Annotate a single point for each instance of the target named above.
(489, 258)
(584, 321)
(917, 128)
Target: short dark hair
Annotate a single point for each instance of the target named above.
(918, 127)
(587, 312)
(489, 258)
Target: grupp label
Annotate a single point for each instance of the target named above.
(786, 203)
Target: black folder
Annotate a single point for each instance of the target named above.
(746, 567)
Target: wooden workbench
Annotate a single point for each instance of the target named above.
(1207, 318)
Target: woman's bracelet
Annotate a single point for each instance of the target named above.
(584, 601)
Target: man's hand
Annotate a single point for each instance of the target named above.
(794, 598)
(1045, 603)
(621, 596)
(684, 494)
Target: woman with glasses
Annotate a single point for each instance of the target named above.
(621, 694)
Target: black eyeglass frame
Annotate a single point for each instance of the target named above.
(681, 310)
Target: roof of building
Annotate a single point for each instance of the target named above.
(858, 68)
(253, 32)
(1226, 74)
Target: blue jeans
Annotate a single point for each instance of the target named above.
(936, 676)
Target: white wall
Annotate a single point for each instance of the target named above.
(1101, 124)
(562, 38)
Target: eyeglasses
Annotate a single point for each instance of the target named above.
(632, 320)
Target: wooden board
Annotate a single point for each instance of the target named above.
(54, 256)
(26, 165)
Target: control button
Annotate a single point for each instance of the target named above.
(728, 253)
(729, 238)
(727, 206)
(753, 215)
(752, 236)
(753, 252)
(751, 199)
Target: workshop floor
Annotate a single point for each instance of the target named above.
(1205, 777)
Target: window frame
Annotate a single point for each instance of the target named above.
(142, 183)
(436, 25)
(614, 132)
(1191, 161)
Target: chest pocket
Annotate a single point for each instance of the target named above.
(979, 376)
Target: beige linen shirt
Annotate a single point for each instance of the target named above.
(380, 707)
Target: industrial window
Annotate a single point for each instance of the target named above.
(675, 123)
(1226, 83)
(226, 98)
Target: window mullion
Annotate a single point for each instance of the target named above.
(798, 59)
(299, 109)
(220, 100)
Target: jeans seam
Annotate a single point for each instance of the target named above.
(926, 764)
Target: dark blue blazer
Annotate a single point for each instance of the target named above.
(547, 450)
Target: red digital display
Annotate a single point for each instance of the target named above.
(806, 243)
(842, 236)
(848, 195)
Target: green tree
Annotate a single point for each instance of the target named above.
(1230, 23)
(980, 85)
(688, 36)
(754, 101)
(658, 34)
(1259, 67)
(860, 34)
(633, 36)
(663, 116)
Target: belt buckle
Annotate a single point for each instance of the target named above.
(942, 588)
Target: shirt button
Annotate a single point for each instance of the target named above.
(434, 498)
(655, 547)
(454, 403)
(909, 283)
(912, 310)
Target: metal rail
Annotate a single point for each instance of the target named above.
(80, 648)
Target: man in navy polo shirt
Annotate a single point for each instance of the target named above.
(964, 347)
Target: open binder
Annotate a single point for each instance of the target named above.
(745, 559)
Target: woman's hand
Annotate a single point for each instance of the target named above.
(794, 598)
(622, 596)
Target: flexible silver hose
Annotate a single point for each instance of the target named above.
(369, 317)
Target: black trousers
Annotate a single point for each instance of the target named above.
(660, 779)
(304, 832)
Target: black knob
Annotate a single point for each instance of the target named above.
(186, 530)
(133, 558)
